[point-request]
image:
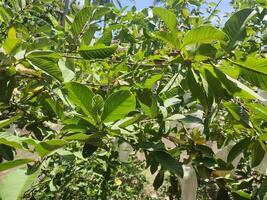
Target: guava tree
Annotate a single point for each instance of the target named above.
(164, 81)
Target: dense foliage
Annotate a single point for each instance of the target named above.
(81, 88)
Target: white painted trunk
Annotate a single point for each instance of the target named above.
(189, 183)
(124, 151)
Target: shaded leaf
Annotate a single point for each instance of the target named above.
(148, 103)
(235, 87)
(238, 113)
(238, 148)
(257, 153)
(97, 52)
(88, 150)
(6, 152)
(195, 87)
(263, 189)
(235, 26)
(169, 163)
(158, 181)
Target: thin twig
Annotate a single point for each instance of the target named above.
(213, 11)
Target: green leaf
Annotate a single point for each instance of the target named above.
(241, 195)
(259, 110)
(106, 38)
(204, 34)
(97, 106)
(88, 150)
(88, 35)
(148, 103)
(255, 64)
(78, 137)
(128, 121)
(12, 140)
(213, 82)
(118, 105)
(97, 52)
(7, 86)
(150, 82)
(9, 121)
(12, 42)
(44, 54)
(168, 37)
(235, 26)
(169, 163)
(18, 5)
(14, 163)
(263, 189)
(67, 68)
(167, 16)
(5, 13)
(254, 70)
(207, 51)
(55, 107)
(46, 147)
(238, 113)
(81, 96)
(172, 83)
(238, 148)
(196, 87)
(222, 194)
(15, 184)
(257, 153)
(48, 65)
(158, 181)
(235, 87)
(205, 150)
(6, 152)
(83, 137)
(100, 12)
(80, 21)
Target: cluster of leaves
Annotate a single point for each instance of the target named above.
(66, 177)
(80, 79)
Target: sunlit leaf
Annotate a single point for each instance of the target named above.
(15, 184)
(118, 105)
(167, 16)
(204, 34)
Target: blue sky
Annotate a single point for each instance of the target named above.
(224, 6)
(140, 4)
